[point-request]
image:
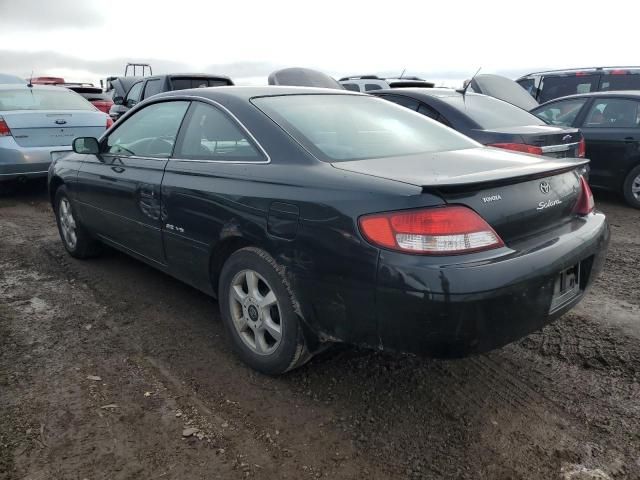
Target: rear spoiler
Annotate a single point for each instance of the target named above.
(579, 164)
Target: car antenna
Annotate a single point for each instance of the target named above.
(463, 91)
(402, 74)
(30, 84)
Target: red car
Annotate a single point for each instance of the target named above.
(102, 101)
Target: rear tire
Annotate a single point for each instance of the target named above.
(258, 313)
(75, 238)
(631, 187)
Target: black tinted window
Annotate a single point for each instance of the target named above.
(613, 113)
(563, 112)
(428, 111)
(554, 87)
(153, 87)
(620, 82)
(209, 134)
(371, 86)
(407, 102)
(356, 127)
(351, 86)
(185, 83)
(134, 92)
(150, 132)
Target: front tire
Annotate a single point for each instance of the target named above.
(74, 236)
(258, 312)
(631, 187)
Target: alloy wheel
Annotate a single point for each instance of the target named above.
(635, 187)
(255, 312)
(67, 224)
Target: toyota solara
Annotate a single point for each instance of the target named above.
(319, 216)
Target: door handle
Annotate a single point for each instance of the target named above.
(629, 139)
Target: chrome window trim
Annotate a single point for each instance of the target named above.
(242, 127)
(559, 148)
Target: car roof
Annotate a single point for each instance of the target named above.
(608, 93)
(246, 93)
(191, 75)
(424, 92)
(630, 69)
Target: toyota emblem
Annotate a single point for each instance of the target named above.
(545, 187)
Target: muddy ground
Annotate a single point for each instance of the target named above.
(106, 364)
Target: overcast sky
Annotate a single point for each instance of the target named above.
(84, 40)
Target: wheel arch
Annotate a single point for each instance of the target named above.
(54, 184)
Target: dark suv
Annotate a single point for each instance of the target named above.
(146, 87)
(545, 86)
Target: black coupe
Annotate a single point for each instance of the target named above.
(319, 216)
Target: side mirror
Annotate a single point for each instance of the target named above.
(86, 146)
(118, 100)
(130, 103)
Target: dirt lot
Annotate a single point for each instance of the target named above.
(106, 364)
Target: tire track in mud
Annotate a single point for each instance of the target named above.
(245, 436)
(530, 410)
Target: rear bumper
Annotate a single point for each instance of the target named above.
(30, 162)
(449, 309)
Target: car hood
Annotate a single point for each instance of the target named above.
(504, 89)
(459, 167)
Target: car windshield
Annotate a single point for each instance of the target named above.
(356, 127)
(490, 113)
(37, 99)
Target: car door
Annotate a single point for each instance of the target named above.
(119, 190)
(612, 134)
(210, 173)
(133, 97)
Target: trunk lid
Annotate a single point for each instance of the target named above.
(557, 142)
(44, 128)
(516, 194)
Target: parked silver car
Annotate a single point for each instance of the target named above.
(39, 122)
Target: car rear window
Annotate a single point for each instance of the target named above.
(185, 83)
(36, 99)
(355, 127)
(96, 96)
(490, 113)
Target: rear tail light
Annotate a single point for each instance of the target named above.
(4, 128)
(582, 148)
(109, 122)
(585, 203)
(435, 231)
(619, 72)
(519, 147)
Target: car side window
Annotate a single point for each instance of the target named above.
(152, 87)
(133, 96)
(563, 112)
(371, 86)
(150, 132)
(613, 113)
(209, 134)
(560, 86)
